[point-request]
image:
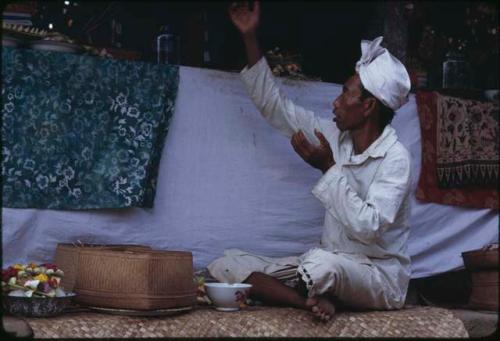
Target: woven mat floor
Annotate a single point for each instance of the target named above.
(253, 322)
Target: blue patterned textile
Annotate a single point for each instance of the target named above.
(82, 132)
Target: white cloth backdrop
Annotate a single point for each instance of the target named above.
(228, 180)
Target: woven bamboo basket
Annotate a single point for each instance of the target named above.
(483, 267)
(132, 277)
(67, 258)
(484, 294)
(481, 259)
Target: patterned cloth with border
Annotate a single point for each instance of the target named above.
(428, 189)
(467, 143)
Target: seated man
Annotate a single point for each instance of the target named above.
(362, 259)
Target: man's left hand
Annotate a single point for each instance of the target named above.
(320, 157)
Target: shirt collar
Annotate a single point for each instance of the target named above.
(378, 148)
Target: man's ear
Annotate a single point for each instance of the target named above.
(369, 106)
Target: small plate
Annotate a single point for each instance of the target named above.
(226, 309)
(36, 306)
(11, 41)
(58, 46)
(130, 312)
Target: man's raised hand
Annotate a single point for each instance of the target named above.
(320, 157)
(243, 18)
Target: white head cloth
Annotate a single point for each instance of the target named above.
(383, 74)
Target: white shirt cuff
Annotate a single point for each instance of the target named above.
(249, 74)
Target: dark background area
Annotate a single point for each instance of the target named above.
(326, 34)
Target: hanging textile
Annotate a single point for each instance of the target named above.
(467, 143)
(82, 132)
(429, 189)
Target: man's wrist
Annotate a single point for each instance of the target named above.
(252, 48)
(249, 36)
(328, 166)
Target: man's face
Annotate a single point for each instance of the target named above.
(348, 107)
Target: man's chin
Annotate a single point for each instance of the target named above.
(340, 126)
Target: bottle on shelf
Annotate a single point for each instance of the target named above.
(207, 60)
(167, 47)
(456, 71)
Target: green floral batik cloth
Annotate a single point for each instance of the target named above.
(82, 132)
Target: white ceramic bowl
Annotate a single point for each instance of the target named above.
(227, 297)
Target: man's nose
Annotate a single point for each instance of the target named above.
(335, 104)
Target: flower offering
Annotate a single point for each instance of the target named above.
(32, 280)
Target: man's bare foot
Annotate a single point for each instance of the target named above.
(322, 308)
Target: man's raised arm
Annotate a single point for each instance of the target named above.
(274, 106)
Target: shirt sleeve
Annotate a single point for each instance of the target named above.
(274, 106)
(365, 220)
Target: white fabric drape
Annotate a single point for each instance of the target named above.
(229, 180)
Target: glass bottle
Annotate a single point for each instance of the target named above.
(207, 60)
(167, 47)
(456, 71)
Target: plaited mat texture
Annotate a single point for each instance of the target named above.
(254, 322)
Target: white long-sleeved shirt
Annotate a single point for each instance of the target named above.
(366, 196)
